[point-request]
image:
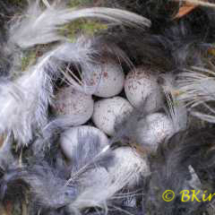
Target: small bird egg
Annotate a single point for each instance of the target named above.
(154, 129)
(70, 139)
(108, 79)
(70, 102)
(108, 112)
(141, 88)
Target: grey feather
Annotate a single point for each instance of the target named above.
(6, 156)
(126, 171)
(176, 108)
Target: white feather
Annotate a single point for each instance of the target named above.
(101, 185)
(40, 26)
(176, 108)
(24, 102)
(197, 87)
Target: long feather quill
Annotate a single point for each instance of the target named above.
(40, 26)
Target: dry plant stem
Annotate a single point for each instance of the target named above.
(2, 211)
(8, 209)
(20, 158)
(1, 141)
(46, 3)
(24, 208)
(184, 10)
(73, 81)
(198, 3)
(140, 149)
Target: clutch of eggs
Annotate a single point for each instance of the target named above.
(142, 92)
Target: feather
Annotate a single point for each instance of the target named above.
(176, 108)
(126, 170)
(44, 184)
(48, 187)
(200, 3)
(40, 26)
(48, 183)
(196, 89)
(99, 173)
(88, 149)
(24, 103)
(182, 162)
(6, 156)
(12, 185)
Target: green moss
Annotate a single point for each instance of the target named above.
(17, 2)
(87, 27)
(16, 209)
(78, 3)
(28, 59)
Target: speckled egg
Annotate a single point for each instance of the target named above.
(109, 112)
(88, 136)
(72, 103)
(153, 129)
(142, 90)
(108, 79)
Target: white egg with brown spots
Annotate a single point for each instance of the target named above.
(154, 129)
(142, 90)
(87, 135)
(72, 103)
(107, 78)
(110, 112)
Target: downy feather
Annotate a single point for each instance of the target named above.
(103, 184)
(24, 102)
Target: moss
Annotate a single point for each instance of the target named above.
(17, 2)
(211, 51)
(16, 209)
(79, 3)
(87, 27)
(28, 59)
